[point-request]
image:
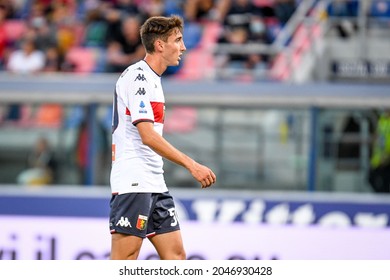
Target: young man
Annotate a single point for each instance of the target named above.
(141, 205)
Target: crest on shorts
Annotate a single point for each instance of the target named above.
(141, 222)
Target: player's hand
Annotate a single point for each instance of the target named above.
(204, 175)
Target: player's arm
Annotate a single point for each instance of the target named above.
(157, 143)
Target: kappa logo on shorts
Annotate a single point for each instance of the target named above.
(141, 222)
(124, 222)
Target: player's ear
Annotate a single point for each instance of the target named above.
(159, 45)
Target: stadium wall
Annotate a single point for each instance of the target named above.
(300, 155)
(71, 223)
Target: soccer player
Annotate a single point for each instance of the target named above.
(141, 205)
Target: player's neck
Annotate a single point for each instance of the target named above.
(155, 62)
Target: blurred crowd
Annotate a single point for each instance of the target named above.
(103, 35)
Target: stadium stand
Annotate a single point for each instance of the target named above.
(75, 23)
(306, 48)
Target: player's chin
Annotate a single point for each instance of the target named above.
(176, 63)
(178, 60)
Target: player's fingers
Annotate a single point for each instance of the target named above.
(213, 177)
(209, 181)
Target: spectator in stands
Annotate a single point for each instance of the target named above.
(53, 60)
(52, 24)
(152, 8)
(284, 9)
(235, 36)
(41, 165)
(196, 10)
(379, 175)
(44, 34)
(239, 13)
(204, 10)
(64, 19)
(26, 60)
(9, 8)
(127, 7)
(95, 29)
(125, 48)
(243, 24)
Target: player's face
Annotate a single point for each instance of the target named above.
(174, 48)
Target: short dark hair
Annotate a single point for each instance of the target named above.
(159, 27)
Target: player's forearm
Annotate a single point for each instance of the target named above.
(162, 147)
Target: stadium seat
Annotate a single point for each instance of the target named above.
(192, 34)
(49, 115)
(83, 59)
(211, 31)
(14, 29)
(351, 9)
(195, 64)
(263, 3)
(380, 9)
(181, 120)
(200, 58)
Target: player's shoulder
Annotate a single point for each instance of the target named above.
(136, 72)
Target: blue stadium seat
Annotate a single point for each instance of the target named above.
(380, 9)
(347, 9)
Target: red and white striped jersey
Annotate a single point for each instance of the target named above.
(138, 98)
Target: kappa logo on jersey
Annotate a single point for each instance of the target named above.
(141, 222)
(140, 77)
(141, 91)
(124, 222)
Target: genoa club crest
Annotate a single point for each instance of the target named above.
(141, 222)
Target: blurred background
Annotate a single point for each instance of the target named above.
(288, 101)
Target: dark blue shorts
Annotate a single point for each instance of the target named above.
(143, 214)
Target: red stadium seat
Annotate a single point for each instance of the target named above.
(14, 29)
(83, 59)
(211, 31)
(263, 3)
(200, 58)
(181, 120)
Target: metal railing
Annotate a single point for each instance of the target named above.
(280, 52)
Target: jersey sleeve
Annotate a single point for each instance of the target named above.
(139, 93)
